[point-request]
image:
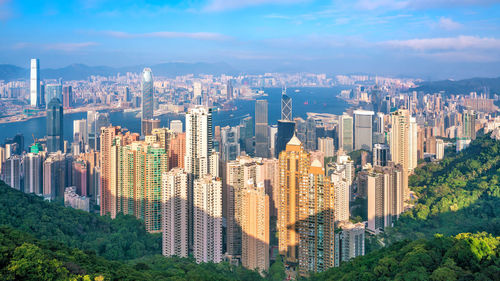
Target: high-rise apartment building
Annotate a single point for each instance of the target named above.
(400, 144)
(349, 241)
(56, 175)
(469, 124)
(156, 163)
(316, 222)
(175, 213)
(385, 196)
(33, 173)
(261, 129)
(207, 219)
(177, 151)
(80, 178)
(381, 154)
(11, 172)
(363, 129)
(413, 145)
(199, 145)
(35, 86)
(176, 126)
(147, 100)
(346, 138)
(55, 126)
(326, 146)
(439, 149)
(294, 165)
(255, 228)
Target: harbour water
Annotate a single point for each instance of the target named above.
(304, 100)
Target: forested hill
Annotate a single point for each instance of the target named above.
(464, 257)
(459, 194)
(120, 239)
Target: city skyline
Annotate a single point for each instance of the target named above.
(461, 37)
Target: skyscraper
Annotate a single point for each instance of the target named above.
(286, 106)
(316, 222)
(229, 89)
(349, 241)
(175, 213)
(400, 144)
(147, 100)
(326, 146)
(363, 129)
(261, 130)
(176, 126)
(286, 131)
(469, 124)
(255, 228)
(311, 139)
(207, 219)
(35, 83)
(199, 145)
(33, 173)
(53, 91)
(380, 154)
(67, 96)
(54, 126)
(294, 167)
(346, 133)
(177, 151)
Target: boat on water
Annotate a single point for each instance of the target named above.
(128, 110)
(297, 90)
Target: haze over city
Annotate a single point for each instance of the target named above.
(426, 39)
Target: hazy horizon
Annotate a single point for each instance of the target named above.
(427, 39)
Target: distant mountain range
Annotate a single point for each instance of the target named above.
(10, 72)
(461, 87)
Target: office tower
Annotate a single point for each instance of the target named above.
(379, 128)
(261, 130)
(349, 241)
(175, 213)
(384, 196)
(342, 190)
(177, 151)
(412, 145)
(11, 172)
(207, 219)
(285, 133)
(95, 121)
(229, 89)
(54, 126)
(33, 173)
(247, 132)
(80, 134)
(400, 144)
(311, 140)
(273, 134)
(380, 154)
(346, 133)
(147, 100)
(316, 222)
(363, 129)
(469, 124)
(111, 139)
(286, 106)
(300, 129)
(35, 83)
(53, 91)
(294, 177)
(80, 178)
(67, 96)
(55, 175)
(326, 146)
(230, 145)
(176, 126)
(344, 167)
(198, 141)
(255, 228)
(439, 149)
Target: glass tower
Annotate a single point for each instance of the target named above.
(54, 126)
(147, 99)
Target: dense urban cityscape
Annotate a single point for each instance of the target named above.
(340, 141)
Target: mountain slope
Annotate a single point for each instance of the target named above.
(460, 87)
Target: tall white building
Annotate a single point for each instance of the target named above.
(207, 219)
(412, 142)
(176, 126)
(33, 173)
(175, 213)
(349, 241)
(363, 129)
(35, 96)
(326, 146)
(198, 142)
(341, 203)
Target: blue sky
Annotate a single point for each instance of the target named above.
(425, 38)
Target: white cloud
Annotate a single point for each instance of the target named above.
(418, 4)
(447, 43)
(223, 5)
(66, 47)
(169, 34)
(448, 24)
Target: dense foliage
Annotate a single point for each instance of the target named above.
(464, 257)
(23, 257)
(122, 238)
(459, 194)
